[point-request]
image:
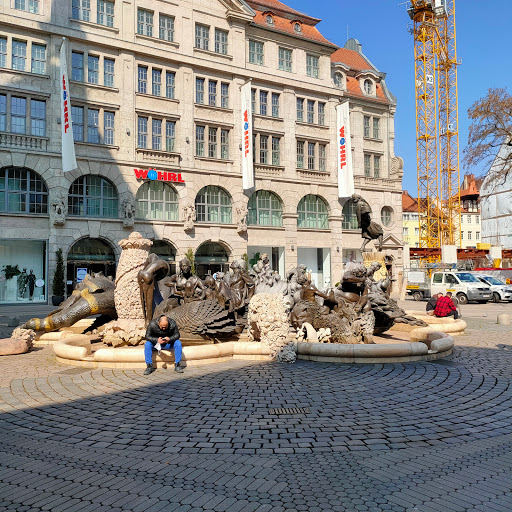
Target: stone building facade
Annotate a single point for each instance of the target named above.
(156, 110)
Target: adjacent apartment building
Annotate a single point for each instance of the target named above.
(156, 111)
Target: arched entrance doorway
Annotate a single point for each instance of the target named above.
(211, 257)
(167, 252)
(89, 255)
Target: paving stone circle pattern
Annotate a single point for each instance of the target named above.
(415, 437)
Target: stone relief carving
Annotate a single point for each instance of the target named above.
(58, 209)
(189, 217)
(242, 212)
(396, 169)
(128, 210)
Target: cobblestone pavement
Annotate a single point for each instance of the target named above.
(416, 437)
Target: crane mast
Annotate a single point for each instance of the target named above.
(437, 140)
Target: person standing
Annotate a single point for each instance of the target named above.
(445, 307)
(431, 304)
(162, 333)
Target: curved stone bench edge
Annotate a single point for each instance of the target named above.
(75, 348)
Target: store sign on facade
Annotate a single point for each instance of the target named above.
(153, 174)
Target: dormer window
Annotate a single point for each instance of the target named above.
(269, 19)
(338, 79)
(368, 86)
(297, 27)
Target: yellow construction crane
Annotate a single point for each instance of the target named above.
(437, 136)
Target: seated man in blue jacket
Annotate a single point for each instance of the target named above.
(162, 333)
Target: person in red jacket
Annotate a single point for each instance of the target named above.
(446, 307)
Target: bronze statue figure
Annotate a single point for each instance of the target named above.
(154, 270)
(370, 230)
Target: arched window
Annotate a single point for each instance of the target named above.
(313, 213)
(157, 200)
(265, 209)
(349, 215)
(211, 257)
(213, 204)
(22, 191)
(386, 215)
(269, 19)
(93, 196)
(165, 251)
(338, 79)
(368, 86)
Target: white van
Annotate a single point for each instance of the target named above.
(463, 285)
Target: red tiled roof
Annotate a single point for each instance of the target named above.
(352, 59)
(275, 5)
(472, 190)
(409, 204)
(353, 89)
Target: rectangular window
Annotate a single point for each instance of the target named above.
(81, 10)
(108, 72)
(275, 105)
(18, 115)
(276, 151)
(166, 28)
(170, 79)
(108, 128)
(366, 126)
(93, 69)
(376, 132)
(3, 112)
(212, 142)
(263, 102)
(202, 37)
(156, 134)
(142, 132)
(224, 95)
(462, 235)
(311, 155)
(200, 90)
(38, 118)
(224, 144)
(77, 66)
(478, 235)
(170, 135)
(93, 126)
(285, 59)
(142, 86)
(38, 59)
(470, 235)
(27, 5)
(417, 232)
(105, 13)
(263, 149)
(200, 140)
(477, 219)
(312, 66)
(311, 112)
(221, 41)
(253, 100)
(19, 55)
(300, 109)
(145, 22)
(321, 113)
(376, 166)
(156, 83)
(322, 157)
(3, 52)
(256, 53)
(77, 119)
(367, 165)
(212, 93)
(300, 154)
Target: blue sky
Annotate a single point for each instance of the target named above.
(483, 44)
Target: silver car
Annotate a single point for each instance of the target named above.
(500, 290)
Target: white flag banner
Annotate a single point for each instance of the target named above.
(247, 149)
(68, 145)
(344, 150)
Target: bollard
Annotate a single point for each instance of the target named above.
(504, 319)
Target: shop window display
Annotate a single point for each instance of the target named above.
(22, 271)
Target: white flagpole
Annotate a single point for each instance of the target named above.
(247, 143)
(344, 150)
(68, 144)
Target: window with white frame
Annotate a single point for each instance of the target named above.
(170, 136)
(31, 6)
(367, 120)
(88, 65)
(311, 112)
(224, 95)
(38, 59)
(313, 213)
(349, 215)
(338, 79)
(376, 166)
(265, 209)
(300, 109)
(108, 72)
(300, 154)
(214, 149)
(22, 191)
(160, 128)
(275, 104)
(212, 142)
(311, 155)
(285, 59)
(166, 27)
(264, 149)
(77, 66)
(213, 204)
(142, 132)
(368, 86)
(372, 165)
(376, 128)
(477, 219)
(22, 115)
(256, 53)
(142, 79)
(156, 134)
(170, 80)
(200, 90)
(253, 101)
(263, 103)
(478, 235)
(322, 157)
(3, 52)
(367, 165)
(321, 113)
(312, 66)
(156, 82)
(417, 232)
(224, 144)
(93, 196)
(81, 10)
(470, 235)
(386, 216)
(157, 200)
(105, 14)
(276, 151)
(93, 69)
(19, 55)
(144, 22)
(200, 131)
(202, 37)
(93, 125)
(212, 93)
(221, 41)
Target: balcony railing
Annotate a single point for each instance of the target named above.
(378, 183)
(312, 175)
(20, 141)
(151, 155)
(268, 170)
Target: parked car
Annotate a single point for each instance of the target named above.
(500, 291)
